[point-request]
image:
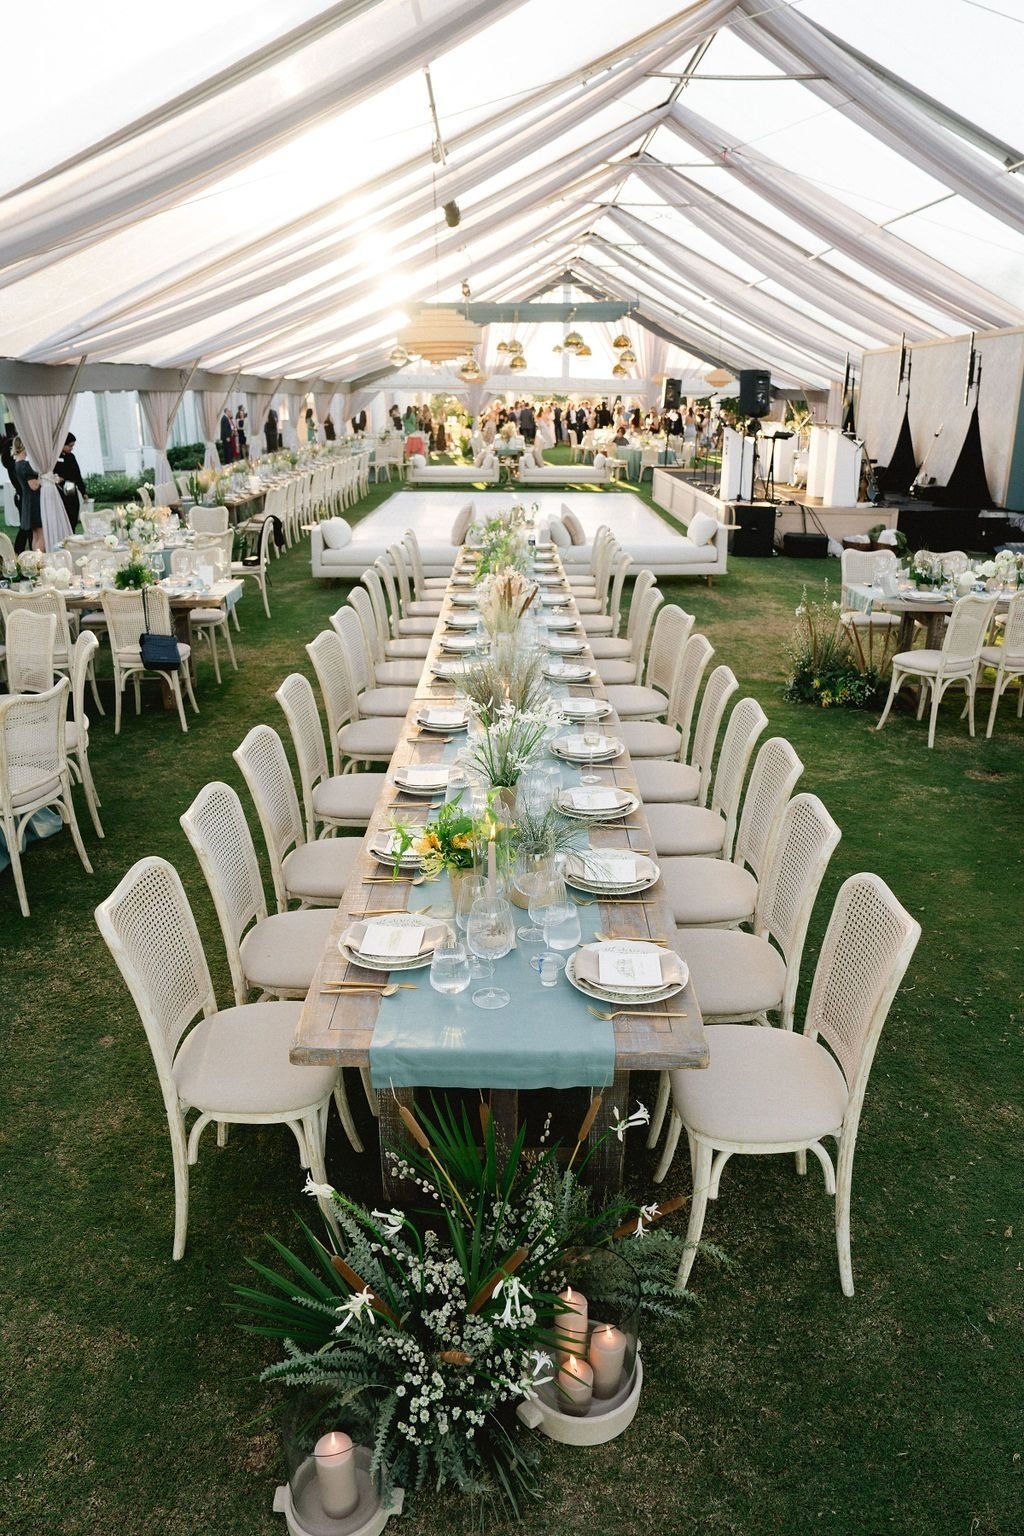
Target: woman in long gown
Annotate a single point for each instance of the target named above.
(545, 428)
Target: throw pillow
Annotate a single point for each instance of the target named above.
(460, 527)
(560, 535)
(335, 533)
(702, 529)
(575, 527)
(418, 460)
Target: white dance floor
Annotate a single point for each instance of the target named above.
(431, 514)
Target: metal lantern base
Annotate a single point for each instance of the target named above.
(604, 1420)
(299, 1502)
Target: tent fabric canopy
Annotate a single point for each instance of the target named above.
(759, 184)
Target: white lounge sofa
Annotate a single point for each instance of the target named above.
(485, 473)
(533, 473)
(339, 552)
(705, 554)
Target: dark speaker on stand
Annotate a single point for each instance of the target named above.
(755, 392)
(673, 390)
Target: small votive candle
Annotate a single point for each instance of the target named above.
(607, 1355)
(335, 1462)
(575, 1382)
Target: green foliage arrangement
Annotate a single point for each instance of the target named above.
(108, 489)
(187, 456)
(825, 669)
(427, 1333)
(134, 576)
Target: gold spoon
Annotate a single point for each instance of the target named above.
(633, 1013)
(339, 988)
(630, 938)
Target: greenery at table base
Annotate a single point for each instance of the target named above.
(134, 575)
(827, 667)
(431, 1326)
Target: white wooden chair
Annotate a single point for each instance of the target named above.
(620, 658)
(354, 741)
(686, 779)
(207, 623)
(49, 600)
(594, 602)
(670, 738)
(647, 698)
(255, 568)
(772, 1091)
(410, 608)
(694, 829)
(30, 644)
(405, 648)
(403, 673)
(315, 874)
(585, 584)
(608, 624)
(423, 586)
(866, 567)
(1008, 659)
(76, 731)
(34, 772)
(230, 1065)
(126, 617)
(958, 661)
(329, 800)
(402, 624)
(372, 700)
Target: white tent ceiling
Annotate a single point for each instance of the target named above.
(773, 182)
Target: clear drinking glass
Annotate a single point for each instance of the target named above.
(591, 741)
(449, 966)
(562, 927)
(490, 934)
(532, 870)
(470, 890)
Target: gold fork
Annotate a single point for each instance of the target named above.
(633, 1013)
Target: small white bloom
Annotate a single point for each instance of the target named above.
(640, 1116)
(391, 1222)
(647, 1214)
(541, 1362)
(318, 1191)
(359, 1305)
(110, 540)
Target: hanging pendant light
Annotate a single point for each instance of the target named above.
(516, 348)
(440, 335)
(557, 348)
(621, 341)
(619, 372)
(583, 350)
(469, 369)
(718, 378)
(398, 356)
(518, 361)
(502, 346)
(573, 342)
(627, 355)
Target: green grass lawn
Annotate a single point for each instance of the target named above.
(129, 1403)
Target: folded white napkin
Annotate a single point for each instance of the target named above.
(423, 775)
(595, 799)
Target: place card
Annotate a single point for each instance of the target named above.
(583, 707)
(444, 716)
(593, 799)
(381, 939)
(628, 968)
(609, 866)
(424, 775)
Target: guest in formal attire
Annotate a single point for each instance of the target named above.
(7, 460)
(603, 416)
(634, 419)
(271, 435)
(241, 436)
(227, 437)
(310, 425)
(528, 425)
(358, 422)
(329, 432)
(407, 423)
(30, 532)
(558, 423)
(69, 480)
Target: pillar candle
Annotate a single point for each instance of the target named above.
(575, 1383)
(571, 1324)
(607, 1354)
(336, 1474)
(492, 865)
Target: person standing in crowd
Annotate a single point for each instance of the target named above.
(240, 433)
(558, 423)
(603, 416)
(227, 437)
(310, 425)
(270, 432)
(69, 480)
(407, 423)
(528, 424)
(358, 422)
(30, 533)
(329, 432)
(7, 460)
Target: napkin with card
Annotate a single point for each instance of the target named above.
(629, 967)
(594, 799)
(392, 941)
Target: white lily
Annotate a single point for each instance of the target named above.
(640, 1116)
(318, 1191)
(391, 1222)
(646, 1215)
(359, 1305)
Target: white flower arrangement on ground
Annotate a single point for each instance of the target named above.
(425, 1334)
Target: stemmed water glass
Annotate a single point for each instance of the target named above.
(532, 874)
(591, 740)
(472, 887)
(490, 934)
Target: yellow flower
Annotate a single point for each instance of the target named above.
(462, 840)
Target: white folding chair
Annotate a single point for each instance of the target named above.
(958, 661)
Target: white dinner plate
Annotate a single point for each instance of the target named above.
(632, 997)
(571, 749)
(610, 813)
(390, 962)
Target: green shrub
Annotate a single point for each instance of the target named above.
(826, 670)
(105, 489)
(186, 456)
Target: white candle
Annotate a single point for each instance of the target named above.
(492, 865)
(607, 1355)
(575, 1383)
(571, 1324)
(336, 1474)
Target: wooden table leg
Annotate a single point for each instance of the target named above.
(504, 1104)
(604, 1171)
(393, 1134)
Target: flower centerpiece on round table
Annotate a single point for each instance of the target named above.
(428, 1333)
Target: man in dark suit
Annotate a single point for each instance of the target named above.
(558, 423)
(270, 436)
(581, 423)
(70, 483)
(227, 432)
(604, 417)
(528, 425)
(359, 422)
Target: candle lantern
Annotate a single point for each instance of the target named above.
(597, 1375)
(329, 1491)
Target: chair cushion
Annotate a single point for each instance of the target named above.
(236, 1062)
(414, 649)
(370, 738)
(597, 624)
(608, 648)
(659, 782)
(683, 829)
(400, 674)
(423, 610)
(703, 891)
(616, 673)
(416, 626)
(632, 702)
(320, 871)
(591, 605)
(924, 660)
(762, 1086)
(649, 738)
(335, 533)
(733, 973)
(386, 701)
(348, 797)
(282, 952)
(208, 616)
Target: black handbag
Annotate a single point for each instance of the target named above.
(159, 652)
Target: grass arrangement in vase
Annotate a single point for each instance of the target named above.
(428, 1332)
(825, 668)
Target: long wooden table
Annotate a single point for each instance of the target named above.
(339, 1029)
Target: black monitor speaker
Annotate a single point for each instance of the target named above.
(755, 392)
(673, 392)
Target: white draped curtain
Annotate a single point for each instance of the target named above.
(260, 401)
(160, 407)
(211, 404)
(652, 361)
(40, 421)
(290, 428)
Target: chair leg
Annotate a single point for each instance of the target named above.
(698, 1207)
(174, 683)
(234, 618)
(92, 799)
(660, 1106)
(934, 714)
(995, 703)
(263, 590)
(212, 635)
(844, 1180)
(370, 1092)
(13, 840)
(179, 1156)
(341, 1100)
(894, 683)
(675, 1125)
(118, 691)
(971, 685)
(187, 675)
(95, 691)
(230, 646)
(68, 814)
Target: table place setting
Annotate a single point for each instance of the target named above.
(442, 720)
(566, 645)
(460, 621)
(606, 803)
(579, 710)
(399, 941)
(569, 671)
(610, 871)
(422, 778)
(627, 971)
(587, 749)
(389, 847)
(460, 645)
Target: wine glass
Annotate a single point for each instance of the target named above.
(471, 889)
(591, 741)
(532, 870)
(490, 934)
(449, 965)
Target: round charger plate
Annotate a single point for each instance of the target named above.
(464, 599)
(429, 790)
(566, 645)
(447, 669)
(390, 962)
(654, 995)
(460, 621)
(600, 888)
(460, 645)
(545, 580)
(548, 599)
(557, 623)
(570, 713)
(612, 749)
(569, 672)
(379, 849)
(442, 730)
(614, 813)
